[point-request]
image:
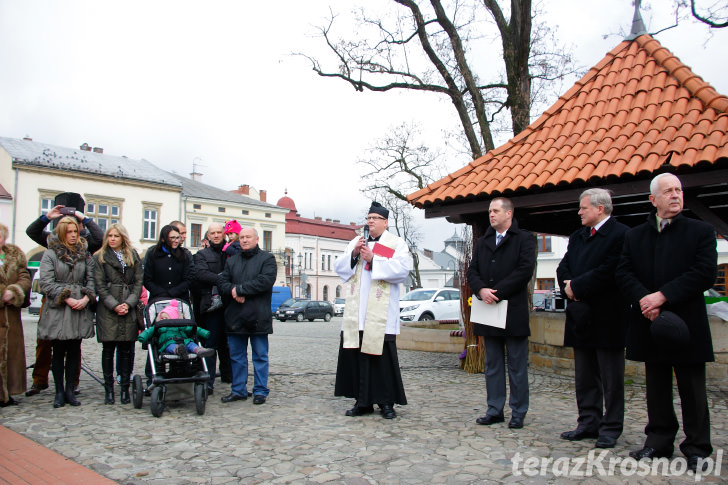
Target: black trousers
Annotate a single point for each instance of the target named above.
(599, 386)
(66, 362)
(662, 424)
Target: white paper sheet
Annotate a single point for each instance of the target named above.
(493, 315)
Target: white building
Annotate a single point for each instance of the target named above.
(312, 248)
(116, 189)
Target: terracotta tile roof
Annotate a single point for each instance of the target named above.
(296, 224)
(636, 109)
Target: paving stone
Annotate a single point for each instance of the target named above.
(301, 435)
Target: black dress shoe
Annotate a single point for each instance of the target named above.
(693, 463)
(233, 397)
(210, 390)
(258, 399)
(578, 435)
(648, 452)
(516, 422)
(487, 420)
(358, 410)
(9, 402)
(35, 389)
(605, 442)
(387, 411)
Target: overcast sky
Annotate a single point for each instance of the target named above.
(215, 82)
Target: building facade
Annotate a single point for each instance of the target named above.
(135, 193)
(312, 248)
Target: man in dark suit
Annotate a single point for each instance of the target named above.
(503, 262)
(666, 265)
(595, 320)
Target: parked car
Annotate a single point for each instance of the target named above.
(308, 309)
(35, 297)
(339, 305)
(287, 304)
(430, 304)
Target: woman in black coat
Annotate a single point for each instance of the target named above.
(118, 275)
(168, 267)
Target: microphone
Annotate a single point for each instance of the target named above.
(366, 233)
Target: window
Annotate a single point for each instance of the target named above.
(323, 262)
(544, 243)
(545, 284)
(46, 200)
(245, 212)
(268, 240)
(196, 207)
(150, 212)
(326, 293)
(721, 283)
(338, 291)
(196, 234)
(45, 205)
(328, 262)
(267, 214)
(221, 209)
(103, 210)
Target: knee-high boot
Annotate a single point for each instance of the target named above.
(57, 371)
(107, 366)
(124, 354)
(73, 362)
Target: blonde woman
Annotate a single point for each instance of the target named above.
(67, 281)
(14, 286)
(118, 275)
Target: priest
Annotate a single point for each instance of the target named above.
(373, 268)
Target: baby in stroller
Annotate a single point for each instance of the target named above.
(177, 340)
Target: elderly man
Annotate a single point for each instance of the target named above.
(666, 265)
(209, 263)
(503, 261)
(247, 281)
(595, 320)
(373, 269)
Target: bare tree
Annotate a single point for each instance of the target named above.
(396, 165)
(431, 47)
(715, 15)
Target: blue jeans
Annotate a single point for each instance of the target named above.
(191, 346)
(239, 359)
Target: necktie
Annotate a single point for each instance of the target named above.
(663, 224)
(498, 239)
(592, 231)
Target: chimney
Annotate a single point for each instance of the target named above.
(263, 195)
(318, 218)
(243, 190)
(336, 221)
(85, 147)
(196, 176)
(98, 150)
(352, 224)
(428, 253)
(328, 220)
(27, 138)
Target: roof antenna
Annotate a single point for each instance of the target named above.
(638, 26)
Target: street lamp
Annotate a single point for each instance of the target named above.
(300, 259)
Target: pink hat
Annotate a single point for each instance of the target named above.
(172, 310)
(233, 226)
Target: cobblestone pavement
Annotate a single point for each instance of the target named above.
(301, 435)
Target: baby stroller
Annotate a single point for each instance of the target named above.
(170, 368)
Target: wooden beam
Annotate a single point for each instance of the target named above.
(707, 214)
